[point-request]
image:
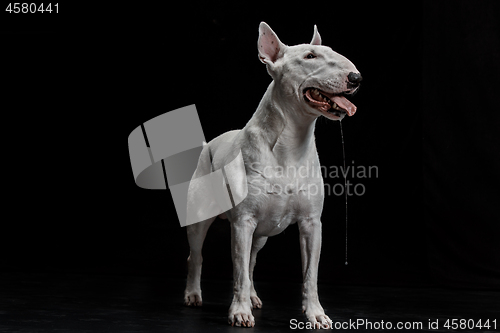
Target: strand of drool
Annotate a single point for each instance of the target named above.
(345, 189)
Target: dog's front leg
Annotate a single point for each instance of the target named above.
(240, 312)
(310, 248)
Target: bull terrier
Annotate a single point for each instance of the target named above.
(309, 81)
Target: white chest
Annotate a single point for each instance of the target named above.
(278, 199)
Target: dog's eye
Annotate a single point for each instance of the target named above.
(310, 56)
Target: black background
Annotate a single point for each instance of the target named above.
(80, 82)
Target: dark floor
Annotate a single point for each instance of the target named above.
(79, 303)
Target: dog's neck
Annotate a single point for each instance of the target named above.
(287, 130)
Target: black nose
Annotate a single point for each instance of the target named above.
(354, 77)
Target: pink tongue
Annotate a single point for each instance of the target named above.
(344, 104)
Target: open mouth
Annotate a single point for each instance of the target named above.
(333, 106)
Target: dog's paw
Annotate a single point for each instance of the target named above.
(256, 302)
(240, 314)
(192, 298)
(317, 317)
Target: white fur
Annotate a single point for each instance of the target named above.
(280, 134)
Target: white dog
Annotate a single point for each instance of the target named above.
(309, 81)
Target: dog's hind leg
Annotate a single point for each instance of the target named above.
(196, 235)
(257, 244)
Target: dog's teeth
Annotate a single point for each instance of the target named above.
(334, 105)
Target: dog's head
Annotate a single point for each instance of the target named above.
(317, 78)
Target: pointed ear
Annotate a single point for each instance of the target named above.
(269, 45)
(316, 37)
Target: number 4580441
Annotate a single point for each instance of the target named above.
(25, 8)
